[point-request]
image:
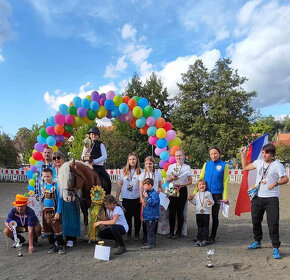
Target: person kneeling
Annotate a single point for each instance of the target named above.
(117, 224)
(150, 212)
(26, 221)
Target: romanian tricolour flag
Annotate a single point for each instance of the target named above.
(243, 204)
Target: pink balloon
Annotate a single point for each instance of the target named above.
(170, 135)
(50, 130)
(59, 119)
(172, 160)
(110, 95)
(152, 140)
(122, 118)
(150, 121)
(159, 151)
(69, 119)
(129, 116)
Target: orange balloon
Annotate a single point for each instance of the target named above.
(59, 129)
(71, 103)
(133, 123)
(160, 123)
(126, 99)
(173, 150)
(132, 103)
(143, 130)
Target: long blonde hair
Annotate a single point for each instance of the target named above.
(151, 159)
(127, 168)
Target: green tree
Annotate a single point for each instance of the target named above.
(8, 153)
(283, 152)
(212, 108)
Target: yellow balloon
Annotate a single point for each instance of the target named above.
(32, 161)
(87, 120)
(175, 142)
(89, 97)
(118, 99)
(31, 182)
(34, 151)
(78, 121)
(163, 173)
(161, 133)
(54, 148)
(137, 112)
(102, 112)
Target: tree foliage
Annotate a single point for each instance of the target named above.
(212, 108)
(283, 152)
(8, 152)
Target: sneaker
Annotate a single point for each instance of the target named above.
(170, 235)
(61, 250)
(176, 236)
(203, 243)
(276, 253)
(51, 249)
(211, 240)
(197, 244)
(21, 241)
(255, 245)
(43, 235)
(120, 251)
(69, 243)
(145, 247)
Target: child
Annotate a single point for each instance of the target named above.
(117, 224)
(52, 208)
(203, 201)
(150, 211)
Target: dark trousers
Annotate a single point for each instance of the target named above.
(113, 232)
(151, 234)
(271, 206)
(145, 233)
(59, 239)
(215, 214)
(176, 206)
(202, 221)
(105, 178)
(132, 207)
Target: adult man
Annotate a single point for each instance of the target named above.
(270, 174)
(26, 221)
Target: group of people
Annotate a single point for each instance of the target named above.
(140, 190)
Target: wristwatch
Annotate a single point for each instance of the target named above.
(277, 184)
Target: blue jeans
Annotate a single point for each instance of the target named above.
(150, 226)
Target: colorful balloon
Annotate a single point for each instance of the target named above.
(86, 103)
(172, 160)
(175, 142)
(109, 104)
(126, 99)
(160, 123)
(94, 106)
(142, 102)
(161, 143)
(124, 108)
(148, 110)
(161, 133)
(63, 109)
(69, 119)
(140, 122)
(77, 101)
(72, 110)
(41, 139)
(102, 112)
(132, 103)
(95, 96)
(170, 135)
(165, 156)
(167, 126)
(137, 112)
(158, 151)
(59, 119)
(59, 130)
(118, 99)
(110, 95)
(173, 150)
(43, 133)
(51, 121)
(150, 121)
(38, 147)
(91, 115)
(152, 140)
(151, 131)
(82, 112)
(50, 141)
(156, 114)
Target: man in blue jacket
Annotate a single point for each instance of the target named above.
(150, 211)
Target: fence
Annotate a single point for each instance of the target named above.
(15, 175)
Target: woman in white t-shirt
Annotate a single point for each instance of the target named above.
(180, 175)
(117, 224)
(149, 172)
(128, 187)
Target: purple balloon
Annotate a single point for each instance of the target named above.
(110, 95)
(150, 121)
(162, 163)
(33, 168)
(82, 112)
(59, 138)
(129, 116)
(170, 135)
(95, 96)
(122, 118)
(103, 95)
(38, 147)
(109, 115)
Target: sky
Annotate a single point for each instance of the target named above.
(51, 51)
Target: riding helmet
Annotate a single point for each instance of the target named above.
(94, 130)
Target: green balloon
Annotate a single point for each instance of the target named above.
(136, 98)
(42, 132)
(34, 176)
(91, 115)
(68, 128)
(147, 112)
(72, 110)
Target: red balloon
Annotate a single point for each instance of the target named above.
(37, 156)
(133, 123)
(58, 144)
(166, 165)
(132, 103)
(126, 99)
(160, 123)
(66, 134)
(167, 126)
(143, 130)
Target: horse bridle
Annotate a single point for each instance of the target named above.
(73, 192)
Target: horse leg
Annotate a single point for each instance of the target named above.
(84, 208)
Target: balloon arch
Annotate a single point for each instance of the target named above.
(136, 111)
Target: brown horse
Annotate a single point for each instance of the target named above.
(77, 178)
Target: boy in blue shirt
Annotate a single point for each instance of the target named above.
(150, 211)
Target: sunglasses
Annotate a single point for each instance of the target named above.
(55, 158)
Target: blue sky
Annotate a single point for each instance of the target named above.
(51, 50)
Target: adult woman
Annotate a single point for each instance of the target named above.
(98, 155)
(180, 175)
(70, 211)
(149, 172)
(216, 174)
(128, 187)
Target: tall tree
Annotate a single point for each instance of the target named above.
(8, 153)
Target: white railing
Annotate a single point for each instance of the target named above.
(16, 175)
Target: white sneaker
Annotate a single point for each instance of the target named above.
(69, 243)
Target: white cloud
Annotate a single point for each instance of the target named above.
(263, 55)
(1, 57)
(128, 31)
(246, 12)
(112, 71)
(106, 88)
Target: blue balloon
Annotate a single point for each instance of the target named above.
(63, 109)
(109, 104)
(164, 185)
(165, 156)
(29, 174)
(77, 101)
(86, 103)
(143, 102)
(50, 141)
(115, 112)
(161, 143)
(30, 188)
(151, 131)
(156, 114)
(39, 164)
(41, 139)
(124, 108)
(141, 122)
(94, 106)
(51, 121)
